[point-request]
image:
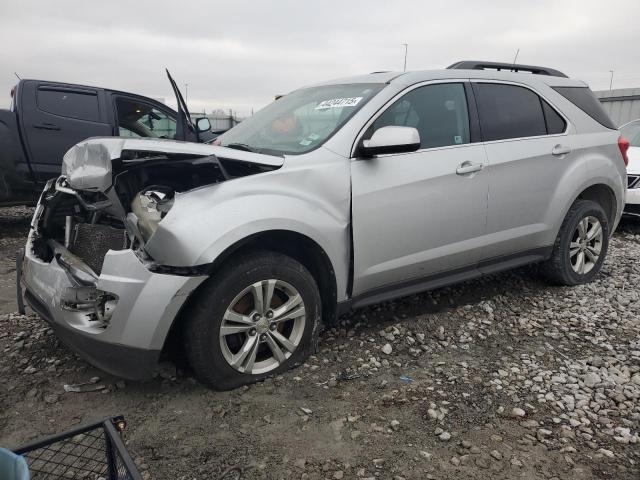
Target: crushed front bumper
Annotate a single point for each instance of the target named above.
(127, 338)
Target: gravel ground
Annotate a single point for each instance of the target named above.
(502, 377)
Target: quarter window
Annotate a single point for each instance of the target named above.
(80, 105)
(555, 123)
(439, 113)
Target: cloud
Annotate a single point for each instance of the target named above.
(240, 54)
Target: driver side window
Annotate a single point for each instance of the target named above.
(439, 113)
(139, 119)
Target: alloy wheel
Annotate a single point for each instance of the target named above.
(586, 245)
(262, 327)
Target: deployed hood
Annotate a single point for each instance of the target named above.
(88, 165)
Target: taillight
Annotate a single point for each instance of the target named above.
(623, 145)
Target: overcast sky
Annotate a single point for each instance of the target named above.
(239, 54)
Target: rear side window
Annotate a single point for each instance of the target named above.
(80, 105)
(585, 100)
(509, 111)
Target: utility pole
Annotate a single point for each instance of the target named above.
(406, 47)
(186, 92)
(611, 81)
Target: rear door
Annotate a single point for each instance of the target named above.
(528, 151)
(419, 214)
(54, 117)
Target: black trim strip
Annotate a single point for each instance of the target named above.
(442, 279)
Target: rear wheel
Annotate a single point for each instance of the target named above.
(258, 316)
(581, 245)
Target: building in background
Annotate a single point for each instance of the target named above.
(622, 104)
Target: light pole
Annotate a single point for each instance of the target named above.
(611, 80)
(406, 47)
(186, 92)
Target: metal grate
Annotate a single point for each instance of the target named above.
(91, 452)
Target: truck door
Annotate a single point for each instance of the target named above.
(54, 117)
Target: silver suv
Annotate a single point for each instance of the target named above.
(335, 196)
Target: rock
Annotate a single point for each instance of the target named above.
(300, 463)
(496, 454)
(338, 475)
(518, 412)
(306, 411)
(395, 425)
(606, 453)
(591, 379)
(444, 436)
(51, 398)
(387, 349)
(425, 455)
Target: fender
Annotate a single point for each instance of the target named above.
(203, 223)
(594, 168)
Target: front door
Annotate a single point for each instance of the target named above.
(421, 214)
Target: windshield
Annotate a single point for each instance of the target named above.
(631, 131)
(300, 121)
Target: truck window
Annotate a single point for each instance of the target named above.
(66, 103)
(138, 119)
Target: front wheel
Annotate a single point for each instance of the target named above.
(258, 316)
(581, 246)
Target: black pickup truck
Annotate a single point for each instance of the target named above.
(47, 118)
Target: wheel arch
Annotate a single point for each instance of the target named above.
(604, 196)
(293, 244)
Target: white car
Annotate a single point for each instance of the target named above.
(631, 131)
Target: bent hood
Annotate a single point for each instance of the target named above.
(88, 165)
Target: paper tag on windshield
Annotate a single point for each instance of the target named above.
(338, 102)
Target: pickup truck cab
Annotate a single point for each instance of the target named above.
(47, 118)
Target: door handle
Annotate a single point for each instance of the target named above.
(468, 167)
(560, 150)
(47, 126)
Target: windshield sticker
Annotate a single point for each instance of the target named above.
(338, 102)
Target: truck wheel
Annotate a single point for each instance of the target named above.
(581, 245)
(257, 317)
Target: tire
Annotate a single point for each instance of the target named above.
(229, 303)
(564, 267)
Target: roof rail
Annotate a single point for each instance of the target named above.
(510, 67)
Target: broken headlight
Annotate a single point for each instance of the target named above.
(149, 207)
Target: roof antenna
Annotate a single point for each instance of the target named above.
(516, 57)
(17, 75)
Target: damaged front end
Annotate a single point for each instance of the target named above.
(85, 268)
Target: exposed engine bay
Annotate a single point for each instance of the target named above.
(78, 226)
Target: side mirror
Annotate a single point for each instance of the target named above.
(391, 139)
(203, 124)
